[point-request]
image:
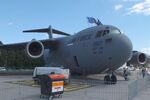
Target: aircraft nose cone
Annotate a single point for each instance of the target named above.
(121, 50)
(124, 47)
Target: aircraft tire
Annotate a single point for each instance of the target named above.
(113, 79)
(107, 79)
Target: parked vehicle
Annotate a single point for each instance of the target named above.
(38, 71)
(2, 68)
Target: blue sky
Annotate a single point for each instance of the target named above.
(131, 16)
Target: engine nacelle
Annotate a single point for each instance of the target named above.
(138, 58)
(35, 49)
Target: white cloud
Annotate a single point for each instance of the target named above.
(146, 50)
(141, 8)
(118, 7)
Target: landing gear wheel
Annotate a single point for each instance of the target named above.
(113, 79)
(107, 79)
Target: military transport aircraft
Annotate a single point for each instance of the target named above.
(90, 51)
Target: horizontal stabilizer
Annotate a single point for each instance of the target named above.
(48, 30)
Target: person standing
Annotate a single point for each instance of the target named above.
(143, 72)
(125, 73)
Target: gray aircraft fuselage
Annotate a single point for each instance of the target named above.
(91, 51)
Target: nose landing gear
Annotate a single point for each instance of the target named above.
(110, 79)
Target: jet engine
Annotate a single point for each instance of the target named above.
(138, 58)
(35, 49)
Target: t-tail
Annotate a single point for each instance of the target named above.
(49, 31)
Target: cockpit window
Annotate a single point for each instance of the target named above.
(99, 33)
(102, 33)
(115, 31)
(105, 32)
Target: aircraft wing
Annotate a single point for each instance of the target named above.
(48, 43)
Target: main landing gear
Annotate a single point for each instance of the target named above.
(110, 79)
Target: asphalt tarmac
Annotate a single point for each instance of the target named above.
(16, 88)
(96, 90)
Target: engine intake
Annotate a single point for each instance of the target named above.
(138, 58)
(142, 58)
(35, 49)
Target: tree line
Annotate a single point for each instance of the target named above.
(17, 59)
